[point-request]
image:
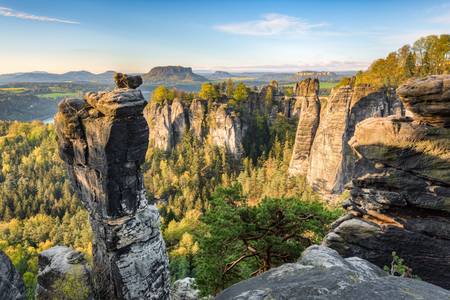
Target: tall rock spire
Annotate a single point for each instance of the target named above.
(307, 92)
(103, 140)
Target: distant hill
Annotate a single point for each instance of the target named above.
(73, 76)
(217, 75)
(172, 74)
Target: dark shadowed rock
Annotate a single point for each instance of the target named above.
(400, 193)
(103, 140)
(57, 264)
(11, 283)
(322, 274)
(127, 81)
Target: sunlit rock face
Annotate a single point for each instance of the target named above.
(307, 92)
(321, 151)
(103, 139)
(11, 283)
(400, 192)
(321, 273)
(218, 121)
(218, 124)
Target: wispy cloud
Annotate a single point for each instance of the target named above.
(270, 25)
(8, 12)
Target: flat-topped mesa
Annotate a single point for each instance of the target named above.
(400, 192)
(306, 91)
(428, 99)
(103, 140)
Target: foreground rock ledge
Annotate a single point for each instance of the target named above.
(103, 140)
(322, 274)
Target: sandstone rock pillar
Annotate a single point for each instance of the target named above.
(307, 92)
(103, 140)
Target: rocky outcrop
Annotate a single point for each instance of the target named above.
(11, 283)
(226, 130)
(400, 193)
(321, 151)
(103, 140)
(185, 289)
(219, 124)
(322, 274)
(59, 264)
(224, 125)
(307, 92)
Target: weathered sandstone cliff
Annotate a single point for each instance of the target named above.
(400, 193)
(103, 140)
(322, 274)
(222, 124)
(321, 151)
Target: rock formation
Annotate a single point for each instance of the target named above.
(169, 121)
(103, 140)
(307, 92)
(400, 193)
(216, 121)
(327, 160)
(58, 264)
(322, 274)
(126, 81)
(11, 283)
(184, 289)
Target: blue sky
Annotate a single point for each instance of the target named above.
(258, 35)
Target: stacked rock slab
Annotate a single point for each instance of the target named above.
(400, 194)
(103, 140)
(57, 265)
(322, 274)
(307, 92)
(327, 161)
(11, 283)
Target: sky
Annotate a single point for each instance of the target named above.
(252, 35)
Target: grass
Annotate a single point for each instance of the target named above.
(58, 95)
(14, 90)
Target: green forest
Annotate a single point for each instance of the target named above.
(223, 219)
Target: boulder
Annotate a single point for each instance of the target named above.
(11, 283)
(428, 99)
(103, 140)
(400, 192)
(322, 273)
(185, 289)
(58, 264)
(127, 81)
